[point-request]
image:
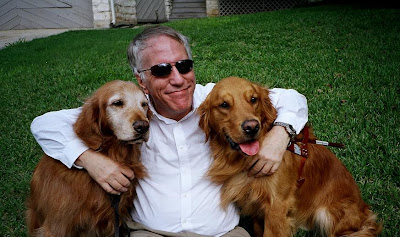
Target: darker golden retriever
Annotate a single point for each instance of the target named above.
(68, 202)
(237, 115)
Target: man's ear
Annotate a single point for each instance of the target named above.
(149, 114)
(142, 84)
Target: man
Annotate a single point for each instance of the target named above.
(177, 197)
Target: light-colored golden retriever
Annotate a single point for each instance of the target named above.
(236, 116)
(68, 202)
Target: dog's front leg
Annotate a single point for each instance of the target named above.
(278, 222)
(258, 226)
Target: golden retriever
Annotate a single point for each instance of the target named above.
(68, 202)
(235, 117)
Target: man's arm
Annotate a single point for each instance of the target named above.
(111, 176)
(292, 109)
(54, 133)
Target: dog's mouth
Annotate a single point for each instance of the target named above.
(136, 140)
(249, 148)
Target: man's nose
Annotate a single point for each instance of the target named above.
(176, 77)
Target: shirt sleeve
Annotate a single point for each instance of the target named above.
(55, 134)
(291, 107)
(201, 93)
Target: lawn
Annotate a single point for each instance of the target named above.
(344, 59)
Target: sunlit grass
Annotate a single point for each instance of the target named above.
(345, 60)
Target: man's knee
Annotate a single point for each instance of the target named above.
(143, 233)
(237, 232)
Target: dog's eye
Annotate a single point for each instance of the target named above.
(253, 100)
(144, 104)
(118, 103)
(224, 105)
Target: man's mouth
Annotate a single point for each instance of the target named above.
(178, 91)
(249, 148)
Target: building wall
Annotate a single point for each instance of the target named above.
(212, 7)
(101, 13)
(49, 14)
(125, 13)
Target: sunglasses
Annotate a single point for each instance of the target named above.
(164, 69)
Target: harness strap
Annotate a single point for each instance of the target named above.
(300, 148)
(115, 204)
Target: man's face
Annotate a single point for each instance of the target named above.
(172, 95)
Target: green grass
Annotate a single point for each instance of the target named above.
(344, 59)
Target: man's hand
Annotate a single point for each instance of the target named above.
(268, 159)
(111, 176)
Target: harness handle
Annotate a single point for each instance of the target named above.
(301, 148)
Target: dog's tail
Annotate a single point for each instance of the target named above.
(370, 227)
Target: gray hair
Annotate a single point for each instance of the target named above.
(139, 43)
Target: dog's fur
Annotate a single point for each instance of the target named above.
(329, 201)
(68, 202)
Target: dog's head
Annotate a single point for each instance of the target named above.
(117, 110)
(237, 112)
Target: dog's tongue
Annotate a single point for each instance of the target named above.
(250, 148)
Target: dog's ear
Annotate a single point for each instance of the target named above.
(88, 124)
(269, 113)
(204, 112)
(149, 114)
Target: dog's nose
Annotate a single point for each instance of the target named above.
(250, 127)
(141, 126)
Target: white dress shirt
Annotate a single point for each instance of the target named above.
(177, 196)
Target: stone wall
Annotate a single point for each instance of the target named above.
(101, 13)
(125, 13)
(212, 8)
